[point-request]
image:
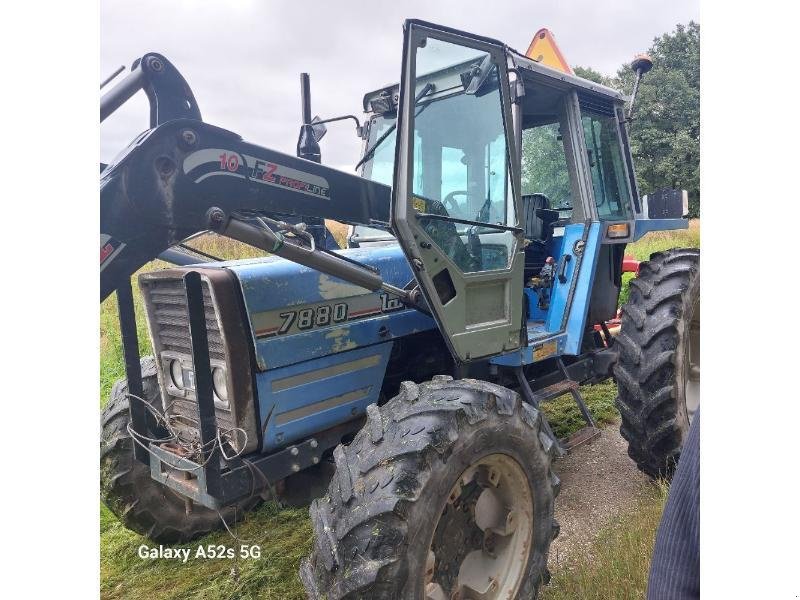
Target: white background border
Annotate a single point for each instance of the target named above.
(750, 231)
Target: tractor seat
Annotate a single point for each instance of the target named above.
(538, 219)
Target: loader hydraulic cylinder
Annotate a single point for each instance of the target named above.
(320, 260)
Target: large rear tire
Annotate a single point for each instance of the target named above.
(140, 503)
(658, 372)
(448, 486)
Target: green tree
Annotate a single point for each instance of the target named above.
(665, 132)
(544, 166)
(592, 75)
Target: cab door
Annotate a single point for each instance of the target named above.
(455, 200)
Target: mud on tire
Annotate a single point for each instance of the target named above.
(374, 528)
(139, 502)
(651, 371)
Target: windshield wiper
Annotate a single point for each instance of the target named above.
(427, 89)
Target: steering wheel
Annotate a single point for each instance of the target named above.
(449, 203)
(446, 236)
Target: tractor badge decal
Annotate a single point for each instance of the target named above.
(217, 162)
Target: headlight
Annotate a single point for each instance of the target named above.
(176, 373)
(220, 384)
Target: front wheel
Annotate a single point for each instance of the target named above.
(446, 492)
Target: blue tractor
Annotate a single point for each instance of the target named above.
(487, 231)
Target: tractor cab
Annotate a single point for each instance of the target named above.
(515, 182)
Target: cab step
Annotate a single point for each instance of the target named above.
(576, 395)
(551, 392)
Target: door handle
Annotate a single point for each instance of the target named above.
(562, 267)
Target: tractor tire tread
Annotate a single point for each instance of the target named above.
(361, 534)
(652, 330)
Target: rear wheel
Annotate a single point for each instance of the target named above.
(142, 504)
(445, 493)
(658, 371)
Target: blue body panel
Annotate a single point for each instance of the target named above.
(644, 226)
(576, 322)
(559, 335)
(302, 399)
(315, 378)
(559, 298)
(278, 285)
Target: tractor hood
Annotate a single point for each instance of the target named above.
(297, 313)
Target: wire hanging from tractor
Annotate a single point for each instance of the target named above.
(193, 449)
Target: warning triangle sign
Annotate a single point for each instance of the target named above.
(543, 49)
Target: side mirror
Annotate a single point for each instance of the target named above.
(318, 128)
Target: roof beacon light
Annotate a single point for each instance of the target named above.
(640, 65)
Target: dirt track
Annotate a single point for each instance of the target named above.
(598, 482)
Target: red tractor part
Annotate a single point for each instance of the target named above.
(629, 265)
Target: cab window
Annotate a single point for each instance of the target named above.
(551, 196)
(612, 193)
(544, 165)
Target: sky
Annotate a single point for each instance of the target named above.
(242, 58)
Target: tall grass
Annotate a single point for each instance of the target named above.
(112, 364)
(565, 417)
(658, 241)
(283, 535)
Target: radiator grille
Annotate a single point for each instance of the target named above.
(168, 316)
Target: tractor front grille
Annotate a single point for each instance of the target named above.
(168, 319)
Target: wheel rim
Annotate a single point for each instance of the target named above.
(692, 383)
(482, 538)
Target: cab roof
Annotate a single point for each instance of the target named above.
(386, 98)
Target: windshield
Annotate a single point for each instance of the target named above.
(452, 163)
(460, 158)
(379, 167)
(460, 196)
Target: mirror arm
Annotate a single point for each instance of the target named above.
(342, 118)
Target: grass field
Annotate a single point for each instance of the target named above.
(621, 557)
(618, 562)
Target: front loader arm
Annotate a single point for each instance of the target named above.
(161, 188)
